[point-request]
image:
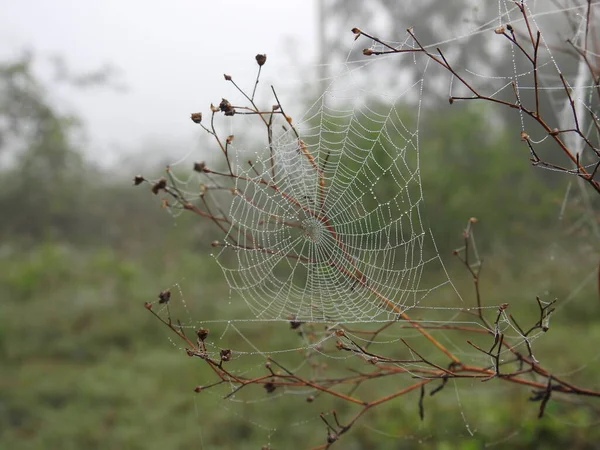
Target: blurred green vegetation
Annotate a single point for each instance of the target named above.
(85, 366)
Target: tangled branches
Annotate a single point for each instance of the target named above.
(509, 358)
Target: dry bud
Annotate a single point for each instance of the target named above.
(159, 186)
(226, 107)
(202, 333)
(554, 132)
(227, 77)
(270, 387)
(148, 305)
(339, 332)
(198, 388)
(213, 108)
(288, 119)
(215, 243)
(310, 398)
(137, 180)
(196, 117)
(225, 354)
(524, 136)
(164, 296)
(451, 100)
(294, 322)
(229, 139)
(500, 30)
(261, 59)
(509, 27)
(199, 166)
(276, 107)
(368, 51)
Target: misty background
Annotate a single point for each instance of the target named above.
(92, 93)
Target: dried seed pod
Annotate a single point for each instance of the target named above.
(202, 333)
(137, 180)
(159, 185)
(199, 166)
(164, 296)
(196, 117)
(225, 354)
(226, 107)
(227, 77)
(261, 59)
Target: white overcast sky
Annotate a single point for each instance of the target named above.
(171, 56)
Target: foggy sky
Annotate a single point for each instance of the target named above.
(171, 56)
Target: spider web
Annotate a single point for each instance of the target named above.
(327, 227)
(326, 222)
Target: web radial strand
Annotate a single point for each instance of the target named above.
(326, 222)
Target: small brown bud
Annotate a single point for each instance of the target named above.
(339, 332)
(159, 185)
(269, 387)
(368, 51)
(268, 365)
(288, 119)
(524, 136)
(164, 296)
(137, 180)
(502, 307)
(356, 30)
(451, 100)
(198, 388)
(196, 117)
(202, 333)
(310, 398)
(500, 30)
(276, 107)
(213, 108)
(225, 354)
(199, 166)
(226, 107)
(261, 59)
(294, 322)
(148, 305)
(215, 243)
(190, 352)
(227, 77)
(229, 139)
(554, 132)
(509, 27)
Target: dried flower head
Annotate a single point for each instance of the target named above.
(196, 117)
(226, 107)
(261, 59)
(225, 354)
(202, 333)
(164, 296)
(159, 185)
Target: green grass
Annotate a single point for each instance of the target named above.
(84, 365)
